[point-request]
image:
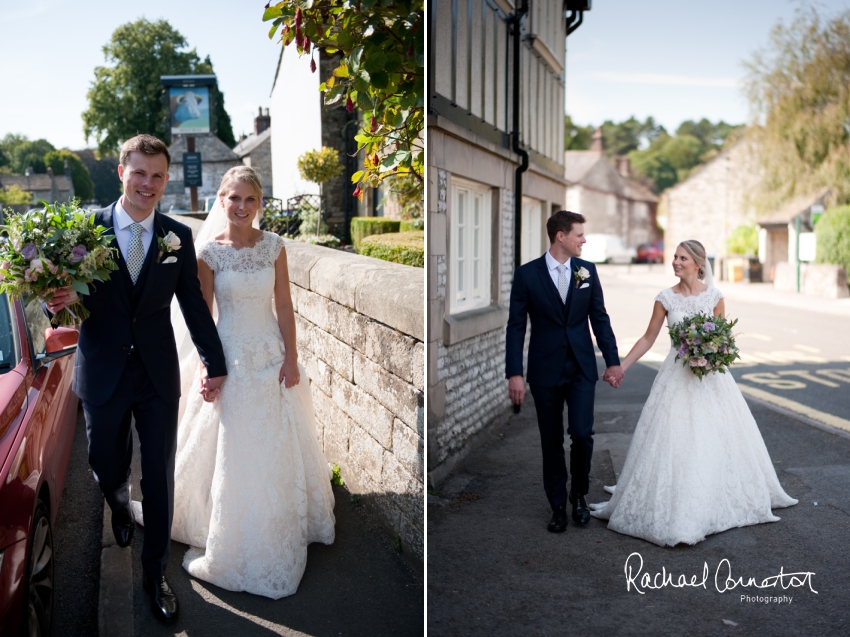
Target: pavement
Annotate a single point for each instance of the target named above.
(360, 585)
(494, 569)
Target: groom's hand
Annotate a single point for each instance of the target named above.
(516, 389)
(212, 388)
(58, 300)
(614, 376)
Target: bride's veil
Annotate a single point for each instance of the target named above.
(708, 279)
(187, 354)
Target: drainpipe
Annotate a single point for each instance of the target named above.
(521, 12)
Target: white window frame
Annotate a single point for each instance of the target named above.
(532, 229)
(469, 253)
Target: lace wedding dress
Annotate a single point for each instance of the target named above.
(697, 463)
(251, 486)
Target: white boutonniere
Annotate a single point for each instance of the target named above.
(581, 275)
(168, 243)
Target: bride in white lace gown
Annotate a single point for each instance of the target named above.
(697, 463)
(251, 487)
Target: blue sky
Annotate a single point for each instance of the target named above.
(671, 59)
(49, 49)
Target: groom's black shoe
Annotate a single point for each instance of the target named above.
(123, 526)
(581, 512)
(558, 523)
(163, 599)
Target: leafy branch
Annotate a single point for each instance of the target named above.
(381, 72)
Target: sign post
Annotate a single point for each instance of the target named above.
(190, 100)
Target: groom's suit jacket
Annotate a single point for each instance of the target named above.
(125, 316)
(556, 329)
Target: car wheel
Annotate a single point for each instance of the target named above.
(38, 610)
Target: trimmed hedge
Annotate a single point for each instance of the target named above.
(362, 227)
(833, 237)
(413, 224)
(407, 248)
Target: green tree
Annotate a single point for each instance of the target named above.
(125, 98)
(629, 135)
(104, 175)
(381, 72)
(799, 86)
(83, 185)
(576, 137)
(30, 154)
(14, 195)
(319, 166)
(833, 237)
(744, 240)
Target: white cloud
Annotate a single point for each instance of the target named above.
(660, 79)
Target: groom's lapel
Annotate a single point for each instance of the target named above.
(549, 289)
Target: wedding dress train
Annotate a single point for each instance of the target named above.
(251, 485)
(697, 463)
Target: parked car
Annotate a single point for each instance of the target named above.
(651, 252)
(38, 414)
(607, 248)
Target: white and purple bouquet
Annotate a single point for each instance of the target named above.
(705, 343)
(54, 247)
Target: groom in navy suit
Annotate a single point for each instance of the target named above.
(561, 294)
(127, 365)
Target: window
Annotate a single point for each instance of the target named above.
(469, 269)
(531, 241)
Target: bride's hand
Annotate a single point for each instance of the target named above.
(289, 374)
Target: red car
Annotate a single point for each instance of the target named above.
(38, 414)
(651, 252)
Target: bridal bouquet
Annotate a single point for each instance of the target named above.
(55, 247)
(705, 343)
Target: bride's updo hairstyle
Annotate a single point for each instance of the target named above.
(697, 252)
(245, 174)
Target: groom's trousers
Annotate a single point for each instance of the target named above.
(577, 392)
(111, 451)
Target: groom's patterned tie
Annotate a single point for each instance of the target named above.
(563, 282)
(136, 252)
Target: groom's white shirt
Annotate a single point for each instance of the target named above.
(121, 224)
(553, 264)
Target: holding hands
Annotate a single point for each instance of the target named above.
(210, 387)
(614, 376)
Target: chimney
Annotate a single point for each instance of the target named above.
(262, 121)
(50, 171)
(624, 166)
(597, 142)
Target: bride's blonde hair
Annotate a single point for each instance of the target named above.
(245, 174)
(697, 252)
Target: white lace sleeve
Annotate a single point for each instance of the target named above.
(207, 256)
(275, 246)
(662, 298)
(716, 296)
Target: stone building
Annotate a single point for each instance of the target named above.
(256, 150)
(713, 201)
(472, 207)
(44, 186)
(604, 192)
(216, 159)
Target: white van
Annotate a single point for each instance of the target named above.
(607, 248)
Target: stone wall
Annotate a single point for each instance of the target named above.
(360, 324)
(816, 279)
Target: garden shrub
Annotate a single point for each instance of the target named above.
(413, 224)
(407, 248)
(362, 227)
(832, 232)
